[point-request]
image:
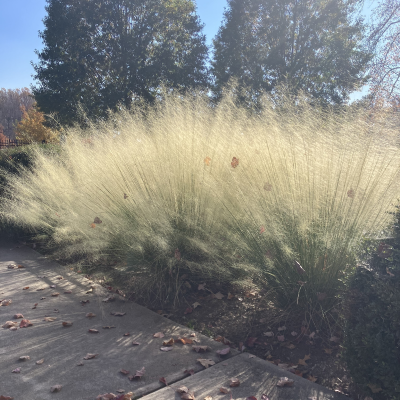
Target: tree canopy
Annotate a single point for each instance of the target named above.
(101, 53)
(309, 45)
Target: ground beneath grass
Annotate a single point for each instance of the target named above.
(247, 321)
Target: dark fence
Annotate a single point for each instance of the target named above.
(5, 144)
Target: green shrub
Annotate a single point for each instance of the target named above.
(372, 333)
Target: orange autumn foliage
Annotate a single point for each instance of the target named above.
(32, 129)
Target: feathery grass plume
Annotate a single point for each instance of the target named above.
(217, 193)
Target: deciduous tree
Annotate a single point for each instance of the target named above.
(31, 128)
(100, 53)
(309, 45)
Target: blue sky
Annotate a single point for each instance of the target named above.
(20, 21)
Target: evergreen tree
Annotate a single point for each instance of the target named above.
(309, 45)
(99, 53)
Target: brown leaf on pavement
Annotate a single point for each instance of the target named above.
(67, 323)
(205, 362)
(49, 319)
(218, 296)
(182, 389)
(224, 351)
(284, 381)
(25, 288)
(184, 340)
(224, 390)
(188, 396)
(90, 315)
(169, 342)
(89, 356)
(16, 370)
(138, 374)
(124, 371)
(167, 348)
(189, 371)
(24, 358)
(200, 349)
(135, 344)
(312, 378)
(25, 323)
(127, 334)
(68, 291)
(6, 398)
(118, 314)
(93, 331)
(162, 380)
(201, 286)
(302, 361)
(9, 324)
(159, 335)
(5, 303)
(55, 388)
(55, 294)
(39, 362)
(16, 316)
(234, 382)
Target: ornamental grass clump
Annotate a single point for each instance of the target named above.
(281, 197)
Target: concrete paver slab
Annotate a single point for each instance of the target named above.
(62, 348)
(257, 378)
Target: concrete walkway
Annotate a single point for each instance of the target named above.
(64, 348)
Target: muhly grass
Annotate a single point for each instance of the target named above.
(218, 194)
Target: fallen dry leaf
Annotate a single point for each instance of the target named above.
(224, 390)
(135, 343)
(159, 335)
(208, 398)
(284, 381)
(282, 328)
(127, 334)
(335, 339)
(189, 371)
(34, 306)
(16, 316)
(90, 315)
(169, 348)
(55, 388)
(188, 396)
(163, 380)
(290, 346)
(224, 351)
(200, 349)
(108, 327)
(89, 356)
(201, 286)
(24, 358)
(53, 286)
(67, 323)
(93, 331)
(124, 371)
(218, 296)
(184, 340)
(268, 334)
(16, 371)
(5, 303)
(55, 294)
(9, 324)
(328, 351)
(25, 323)
(182, 389)
(25, 288)
(6, 398)
(302, 361)
(251, 398)
(106, 396)
(68, 291)
(169, 342)
(205, 362)
(234, 382)
(293, 333)
(189, 310)
(39, 362)
(138, 374)
(281, 338)
(312, 378)
(49, 319)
